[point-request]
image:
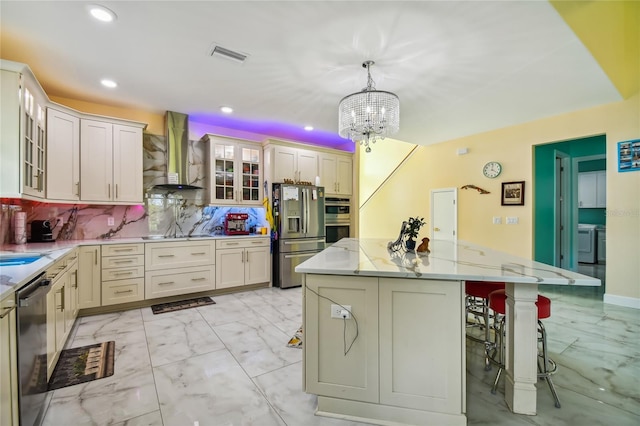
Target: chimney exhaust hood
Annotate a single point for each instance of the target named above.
(177, 135)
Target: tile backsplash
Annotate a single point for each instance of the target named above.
(165, 213)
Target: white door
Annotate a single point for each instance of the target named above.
(444, 214)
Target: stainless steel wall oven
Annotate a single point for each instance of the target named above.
(337, 219)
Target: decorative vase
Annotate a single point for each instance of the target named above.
(410, 244)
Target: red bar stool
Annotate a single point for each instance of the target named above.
(546, 366)
(476, 304)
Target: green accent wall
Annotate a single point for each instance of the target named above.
(544, 193)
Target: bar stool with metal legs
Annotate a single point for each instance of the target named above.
(546, 366)
(476, 304)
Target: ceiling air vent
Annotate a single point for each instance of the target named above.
(228, 54)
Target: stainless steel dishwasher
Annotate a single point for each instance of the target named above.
(32, 349)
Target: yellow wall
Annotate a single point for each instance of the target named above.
(407, 191)
(155, 122)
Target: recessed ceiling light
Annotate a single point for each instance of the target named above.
(109, 83)
(308, 128)
(101, 13)
(226, 109)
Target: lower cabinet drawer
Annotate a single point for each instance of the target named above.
(122, 273)
(179, 281)
(122, 291)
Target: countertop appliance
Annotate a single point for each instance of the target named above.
(236, 224)
(41, 231)
(586, 243)
(32, 349)
(299, 212)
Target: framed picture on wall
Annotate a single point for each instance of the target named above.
(513, 193)
(629, 156)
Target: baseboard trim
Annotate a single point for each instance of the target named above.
(627, 302)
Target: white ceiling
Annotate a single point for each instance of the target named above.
(459, 68)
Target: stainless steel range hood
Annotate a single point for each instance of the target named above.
(177, 134)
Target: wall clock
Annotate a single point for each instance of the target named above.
(492, 169)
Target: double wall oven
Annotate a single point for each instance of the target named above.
(337, 219)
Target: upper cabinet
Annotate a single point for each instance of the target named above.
(303, 163)
(48, 150)
(63, 156)
(236, 173)
(296, 164)
(592, 189)
(110, 162)
(336, 173)
(23, 141)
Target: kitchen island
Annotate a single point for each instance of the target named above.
(399, 355)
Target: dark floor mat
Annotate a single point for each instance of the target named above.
(183, 304)
(84, 364)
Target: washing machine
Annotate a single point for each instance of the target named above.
(587, 243)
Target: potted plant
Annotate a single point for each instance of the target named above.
(413, 227)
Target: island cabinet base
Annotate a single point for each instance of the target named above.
(399, 359)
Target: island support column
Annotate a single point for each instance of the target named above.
(521, 347)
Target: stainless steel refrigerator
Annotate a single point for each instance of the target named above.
(299, 213)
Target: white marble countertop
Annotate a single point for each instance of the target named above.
(14, 277)
(448, 260)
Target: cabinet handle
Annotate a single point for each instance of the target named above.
(166, 255)
(256, 242)
(61, 307)
(167, 283)
(6, 310)
(123, 249)
(338, 186)
(95, 260)
(200, 253)
(108, 190)
(231, 244)
(123, 273)
(247, 256)
(75, 279)
(242, 257)
(123, 261)
(123, 291)
(78, 189)
(116, 191)
(198, 279)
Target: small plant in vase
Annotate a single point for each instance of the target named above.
(412, 229)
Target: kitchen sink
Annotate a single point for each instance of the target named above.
(16, 259)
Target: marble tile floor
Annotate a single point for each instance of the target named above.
(228, 364)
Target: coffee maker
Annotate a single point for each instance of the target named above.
(41, 231)
(236, 224)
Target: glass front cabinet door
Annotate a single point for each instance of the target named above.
(236, 171)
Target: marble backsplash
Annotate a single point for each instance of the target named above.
(165, 213)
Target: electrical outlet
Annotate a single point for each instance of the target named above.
(341, 311)
(110, 221)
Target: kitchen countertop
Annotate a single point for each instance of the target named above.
(14, 277)
(448, 260)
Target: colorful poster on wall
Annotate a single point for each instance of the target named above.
(629, 156)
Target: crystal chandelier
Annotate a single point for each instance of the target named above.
(370, 114)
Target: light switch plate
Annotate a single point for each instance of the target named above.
(512, 220)
(497, 220)
(110, 221)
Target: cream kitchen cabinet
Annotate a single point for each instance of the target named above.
(179, 267)
(63, 155)
(22, 132)
(8, 363)
(297, 164)
(89, 277)
(236, 171)
(382, 376)
(592, 189)
(62, 307)
(336, 173)
(122, 273)
(242, 261)
(110, 162)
